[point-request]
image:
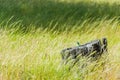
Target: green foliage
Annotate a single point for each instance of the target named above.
(33, 32)
(44, 13)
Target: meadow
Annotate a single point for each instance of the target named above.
(33, 32)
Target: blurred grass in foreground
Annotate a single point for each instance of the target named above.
(36, 55)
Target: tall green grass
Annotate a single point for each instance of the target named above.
(43, 13)
(32, 34)
(36, 55)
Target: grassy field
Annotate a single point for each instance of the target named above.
(33, 32)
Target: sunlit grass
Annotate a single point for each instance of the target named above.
(36, 54)
(33, 32)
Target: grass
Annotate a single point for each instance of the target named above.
(33, 34)
(43, 13)
(37, 56)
